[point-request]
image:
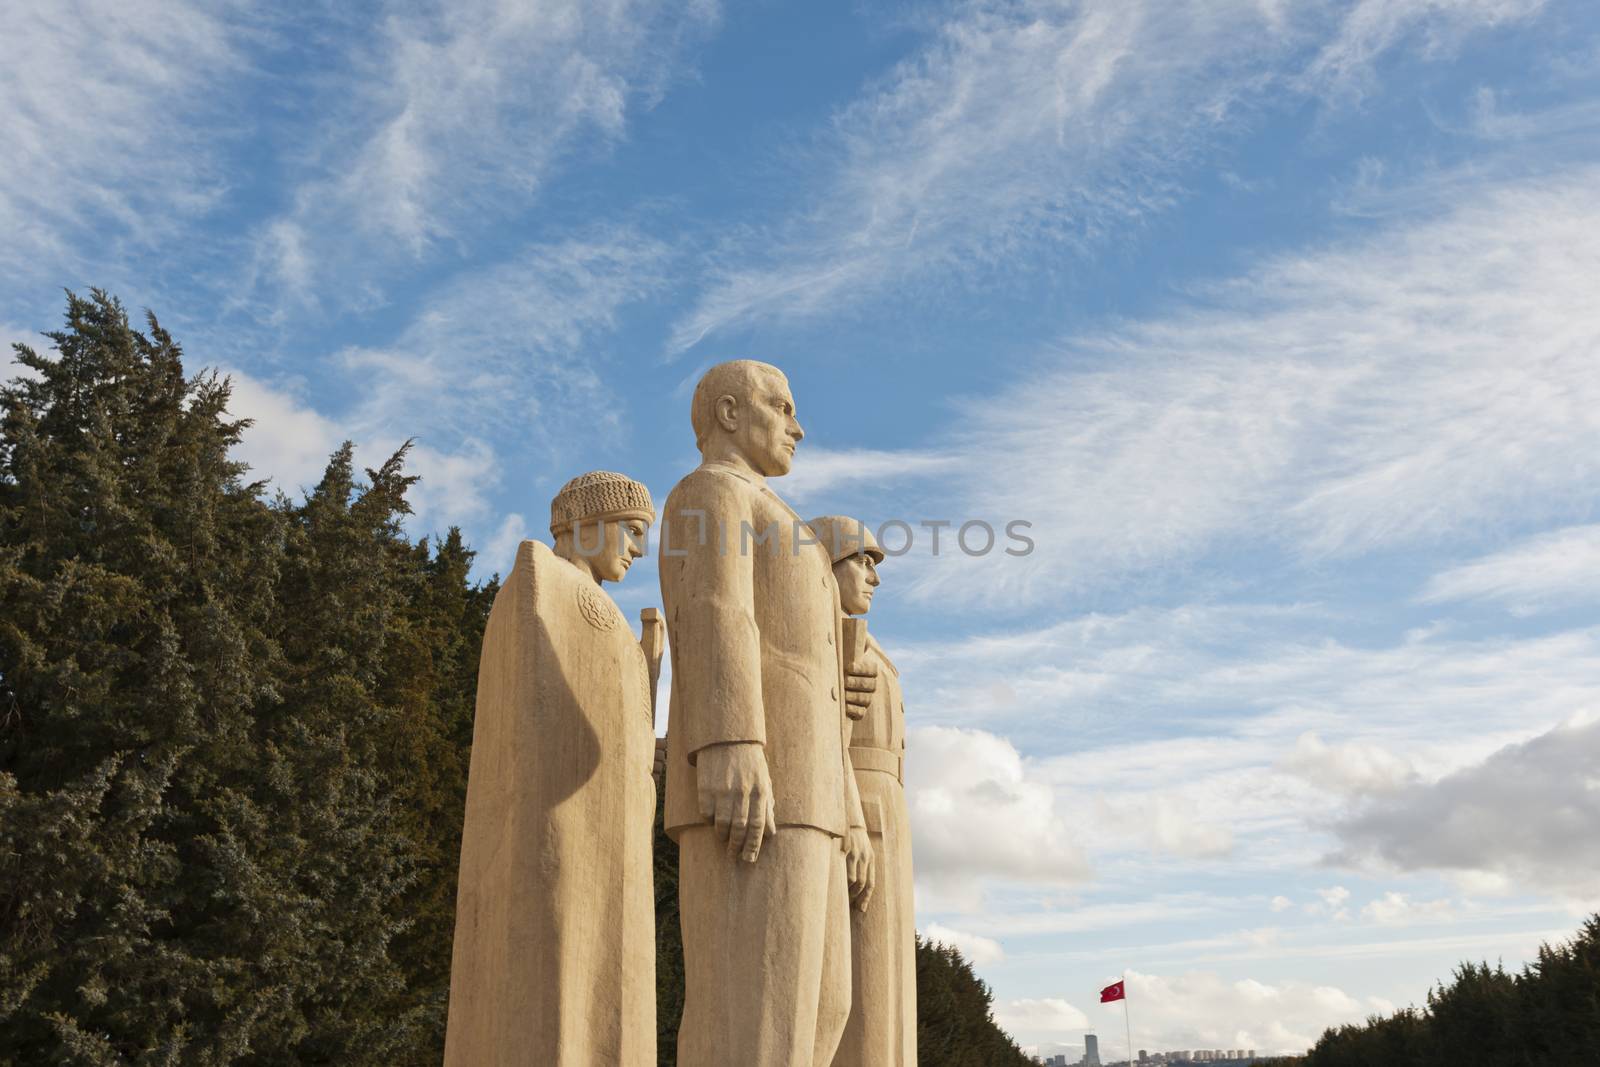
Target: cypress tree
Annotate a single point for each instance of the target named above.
(136, 568)
(431, 680)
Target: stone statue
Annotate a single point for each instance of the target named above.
(760, 795)
(883, 953)
(554, 956)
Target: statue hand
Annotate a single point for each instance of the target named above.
(735, 793)
(859, 866)
(660, 765)
(860, 682)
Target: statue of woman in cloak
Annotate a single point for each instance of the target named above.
(554, 954)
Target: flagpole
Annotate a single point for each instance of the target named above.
(1125, 1020)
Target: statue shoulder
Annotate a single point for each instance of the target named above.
(708, 489)
(559, 592)
(534, 564)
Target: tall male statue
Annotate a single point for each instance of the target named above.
(760, 797)
(883, 953)
(554, 956)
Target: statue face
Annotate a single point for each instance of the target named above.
(857, 576)
(765, 430)
(620, 542)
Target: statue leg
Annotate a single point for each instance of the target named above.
(754, 942)
(870, 1039)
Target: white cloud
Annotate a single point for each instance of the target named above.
(1260, 676)
(1352, 769)
(1373, 27)
(1527, 813)
(1343, 401)
(1196, 1009)
(1557, 568)
(501, 352)
(500, 551)
(1281, 903)
(11, 336)
(454, 117)
(1334, 896)
(1039, 1017)
(1397, 909)
(289, 442)
(979, 814)
(1043, 123)
(979, 951)
(100, 109)
(1184, 732)
(827, 471)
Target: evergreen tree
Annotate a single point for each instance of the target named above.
(431, 679)
(136, 572)
(1549, 1013)
(233, 732)
(669, 940)
(955, 1016)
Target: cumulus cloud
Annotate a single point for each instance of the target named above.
(1197, 1009)
(289, 442)
(1552, 569)
(1353, 768)
(979, 814)
(1398, 909)
(979, 951)
(10, 337)
(1526, 814)
(1040, 1017)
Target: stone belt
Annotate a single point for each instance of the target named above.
(866, 758)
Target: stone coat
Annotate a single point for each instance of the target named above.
(554, 955)
(882, 1031)
(753, 629)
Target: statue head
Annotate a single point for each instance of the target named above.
(599, 522)
(743, 414)
(855, 555)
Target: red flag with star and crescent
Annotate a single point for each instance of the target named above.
(1113, 992)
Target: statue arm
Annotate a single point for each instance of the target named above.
(709, 595)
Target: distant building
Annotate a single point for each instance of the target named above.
(1091, 1051)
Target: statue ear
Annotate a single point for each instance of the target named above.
(727, 409)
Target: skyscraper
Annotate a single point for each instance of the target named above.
(1091, 1051)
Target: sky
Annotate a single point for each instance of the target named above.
(1278, 322)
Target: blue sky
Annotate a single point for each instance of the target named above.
(1278, 321)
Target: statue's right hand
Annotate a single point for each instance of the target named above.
(735, 793)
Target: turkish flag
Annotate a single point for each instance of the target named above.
(1113, 992)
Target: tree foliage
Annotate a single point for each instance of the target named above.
(1548, 1013)
(232, 731)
